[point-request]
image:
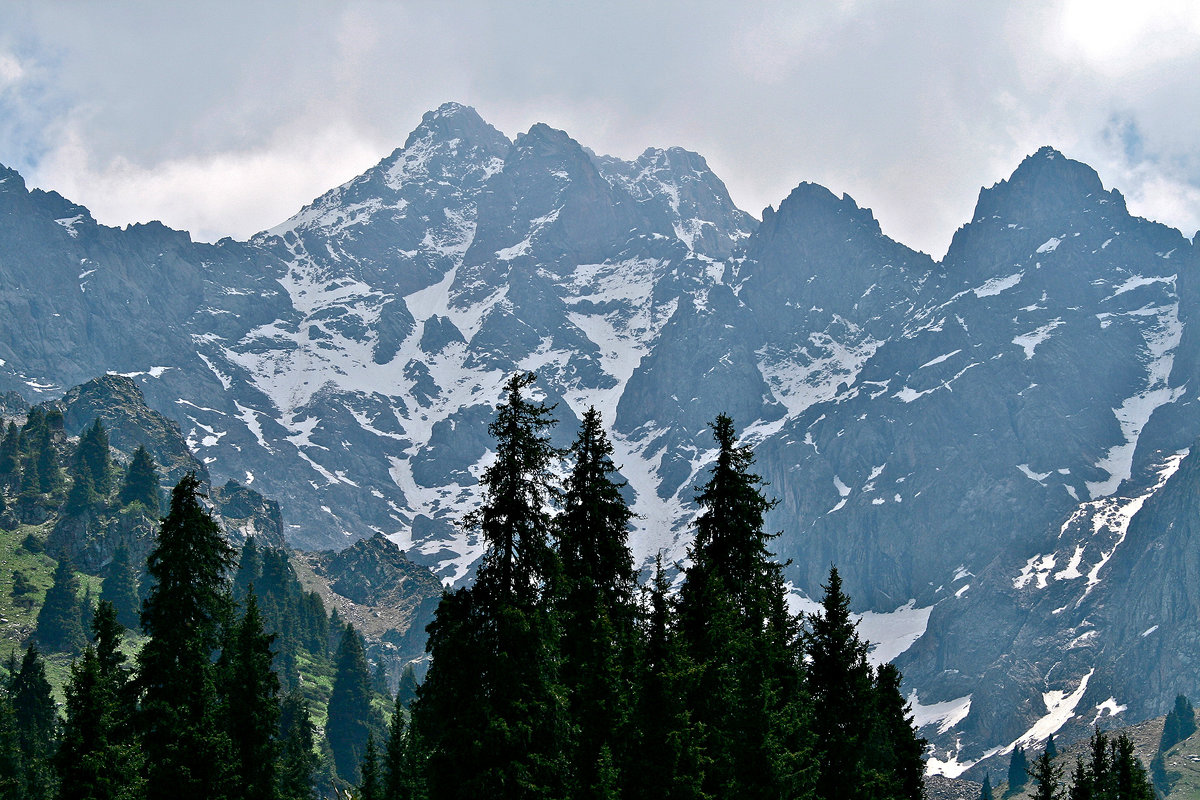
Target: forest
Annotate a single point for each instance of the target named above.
(560, 672)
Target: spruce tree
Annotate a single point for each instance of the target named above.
(36, 724)
(23, 590)
(406, 691)
(297, 758)
(141, 482)
(396, 780)
(98, 757)
(10, 450)
(985, 792)
(250, 694)
(120, 588)
(59, 622)
(351, 717)
(490, 714)
(596, 612)
(12, 762)
(895, 754)
(839, 680)
(94, 453)
(370, 785)
(1018, 771)
(1081, 782)
(1051, 747)
(1047, 778)
(666, 755)
(747, 697)
(186, 749)
(249, 569)
(1130, 777)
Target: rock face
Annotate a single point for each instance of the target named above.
(92, 537)
(375, 587)
(989, 447)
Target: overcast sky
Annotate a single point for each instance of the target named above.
(225, 118)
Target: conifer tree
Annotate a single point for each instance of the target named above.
(36, 724)
(23, 590)
(250, 695)
(1051, 747)
(141, 482)
(1081, 782)
(406, 692)
(1018, 771)
(12, 762)
(93, 459)
(10, 450)
(1130, 777)
(748, 694)
(396, 780)
(351, 717)
(895, 754)
(83, 494)
(120, 588)
(186, 748)
(370, 785)
(596, 612)
(985, 792)
(249, 569)
(1047, 778)
(490, 714)
(298, 759)
(839, 681)
(60, 623)
(98, 757)
(31, 480)
(666, 756)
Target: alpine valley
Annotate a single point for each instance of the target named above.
(994, 448)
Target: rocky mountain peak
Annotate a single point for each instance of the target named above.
(811, 210)
(451, 121)
(1046, 184)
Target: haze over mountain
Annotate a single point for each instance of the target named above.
(993, 448)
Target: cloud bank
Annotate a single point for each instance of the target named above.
(224, 119)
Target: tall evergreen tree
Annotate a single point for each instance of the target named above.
(748, 694)
(60, 622)
(1081, 782)
(186, 748)
(98, 757)
(666, 757)
(596, 612)
(490, 714)
(12, 762)
(406, 692)
(141, 482)
(895, 754)
(1018, 771)
(1047, 778)
(370, 785)
(839, 680)
(36, 724)
(250, 693)
(120, 588)
(1051, 747)
(10, 450)
(351, 717)
(985, 792)
(1130, 777)
(298, 759)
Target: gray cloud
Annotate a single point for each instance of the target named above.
(225, 118)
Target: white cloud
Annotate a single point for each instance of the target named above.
(229, 118)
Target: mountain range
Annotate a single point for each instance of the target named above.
(994, 448)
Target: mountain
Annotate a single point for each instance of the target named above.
(991, 447)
